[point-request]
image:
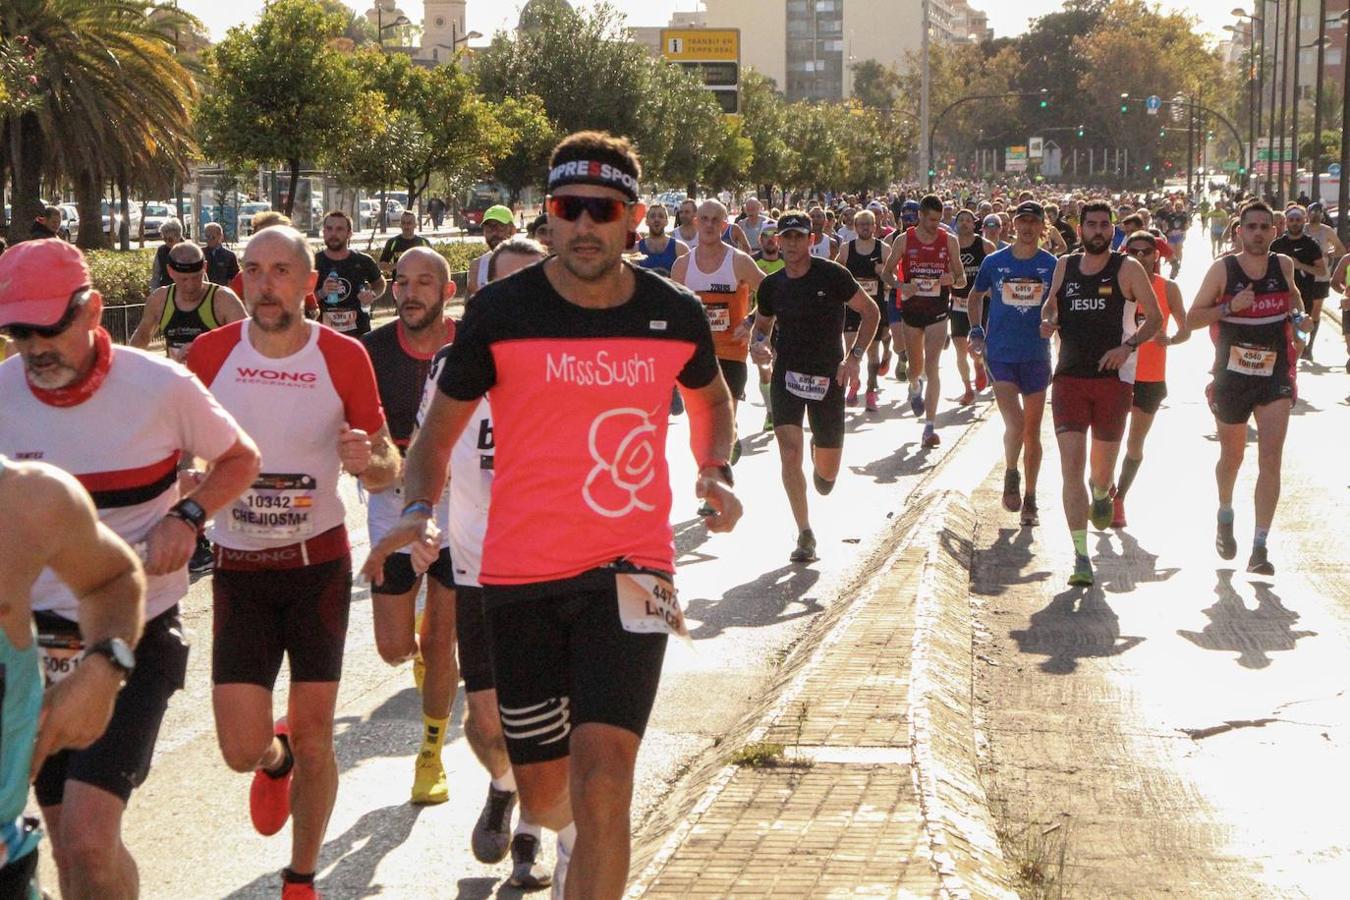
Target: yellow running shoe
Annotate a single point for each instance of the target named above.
(429, 780)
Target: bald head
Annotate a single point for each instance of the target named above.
(279, 236)
(187, 253)
(423, 258)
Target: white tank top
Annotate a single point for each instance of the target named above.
(721, 281)
(821, 248)
(483, 269)
(1323, 237)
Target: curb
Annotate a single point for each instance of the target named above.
(931, 544)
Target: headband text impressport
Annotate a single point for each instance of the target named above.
(582, 171)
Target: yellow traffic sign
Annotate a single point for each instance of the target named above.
(701, 44)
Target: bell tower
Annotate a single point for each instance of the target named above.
(443, 28)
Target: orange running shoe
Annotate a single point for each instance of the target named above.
(294, 890)
(269, 798)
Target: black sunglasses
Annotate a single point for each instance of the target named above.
(602, 210)
(1141, 251)
(47, 332)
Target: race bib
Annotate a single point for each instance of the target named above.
(276, 506)
(871, 287)
(60, 654)
(1246, 359)
(178, 352)
(719, 317)
(927, 287)
(960, 304)
(808, 387)
(649, 604)
(1023, 294)
(340, 319)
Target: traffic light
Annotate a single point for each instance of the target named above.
(1124, 107)
(1162, 132)
(1045, 101)
(1242, 170)
(1080, 130)
(932, 173)
(1148, 167)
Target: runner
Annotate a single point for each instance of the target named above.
(723, 277)
(753, 221)
(576, 659)
(974, 249)
(770, 260)
(1174, 221)
(1068, 230)
(498, 225)
(1094, 299)
(806, 300)
(1150, 373)
(686, 228)
(992, 231)
(1338, 282)
(932, 267)
(823, 244)
(1332, 249)
(1218, 218)
(1016, 281)
(864, 257)
(1253, 300)
(349, 280)
(189, 306)
(1312, 276)
(659, 250)
(53, 528)
(471, 475)
(400, 353)
(401, 243)
(282, 582)
(119, 420)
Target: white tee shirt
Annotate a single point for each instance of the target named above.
(295, 408)
(123, 444)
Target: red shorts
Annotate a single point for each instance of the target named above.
(1101, 403)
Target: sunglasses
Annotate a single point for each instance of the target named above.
(47, 332)
(1141, 251)
(602, 210)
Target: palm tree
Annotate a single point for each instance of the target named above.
(116, 101)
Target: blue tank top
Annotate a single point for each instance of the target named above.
(21, 688)
(663, 260)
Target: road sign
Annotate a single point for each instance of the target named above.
(1153, 104)
(1334, 170)
(1036, 148)
(713, 55)
(1015, 159)
(1230, 165)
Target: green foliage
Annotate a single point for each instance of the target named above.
(875, 85)
(532, 140)
(459, 254)
(122, 278)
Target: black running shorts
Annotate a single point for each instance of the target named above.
(960, 324)
(263, 616)
(562, 658)
(826, 416)
(399, 577)
(18, 877)
(736, 373)
(471, 636)
(119, 761)
(1149, 395)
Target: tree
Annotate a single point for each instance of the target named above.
(114, 101)
(730, 156)
(875, 85)
(764, 122)
(532, 140)
(280, 90)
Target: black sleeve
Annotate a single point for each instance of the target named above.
(387, 255)
(766, 296)
(231, 267)
(842, 283)
(370, 271)
(702, 366)
(469, 367)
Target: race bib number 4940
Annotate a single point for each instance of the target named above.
(648, 604)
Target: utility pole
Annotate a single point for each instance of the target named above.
(1343, 194)
(1317, 99)
(926, 166)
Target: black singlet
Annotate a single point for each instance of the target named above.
(181, 327)
(1094, 317)
(1254, 346)
(401, 375)
(971, 257)
(864, 268)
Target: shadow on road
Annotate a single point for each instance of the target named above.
(1120, 573)
(1252, 634)
(755, 604)
(1006, 562)
(393, 729)
(1078, 624)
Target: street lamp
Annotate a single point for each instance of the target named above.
(381, 28)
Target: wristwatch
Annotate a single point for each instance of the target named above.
(723, 469)
(1132, 343)
(118, 652)
(190, 511)
(857, 351)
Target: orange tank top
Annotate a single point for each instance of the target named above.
(1152, 363)
(726, 299)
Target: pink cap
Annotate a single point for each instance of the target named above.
(37, 279)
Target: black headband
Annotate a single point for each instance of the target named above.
(583, 171)
(177, 266)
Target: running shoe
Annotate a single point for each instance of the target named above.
(823, 485)
(1258, 564)
(1082, 570)
(1118, 511)
(295, 890)
(1012, 490)
(916, 400)
(806, 547)
(706, 511)
(269, 798)
(559, 885)
(981, 376)
(492, 834)
(902, 368)
(852, 398)
(1100, 516)
(871, 404)
(1030, 514)
(768, 421)
(526, 872)
(429, 786)
(930, 437)
(885, 365)
(968, 397)
(202, 558)
(1224, 542)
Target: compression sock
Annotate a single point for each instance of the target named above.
(1128, 469)
(567, 837)
(1259, 540)
(433, 734)
(507, 782)
(285, 768)
(1225, 515)
(1079, 541)
(291, 876)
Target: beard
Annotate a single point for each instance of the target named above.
(419, 318)
(590, 268)
(335, 244)
(56, 374)
(283, 320)
(1098, 244)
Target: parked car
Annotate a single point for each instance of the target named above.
(70, 221)
(155, 215)
(246, 213)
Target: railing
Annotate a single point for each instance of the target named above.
(121, 321)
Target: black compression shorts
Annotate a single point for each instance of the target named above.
(471, 636)
(1149, 395)
(736, 374)
(826, 415)
(399, 577)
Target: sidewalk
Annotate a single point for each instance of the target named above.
(857, 775)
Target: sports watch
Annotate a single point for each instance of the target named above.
(190, 511)
(118, 652)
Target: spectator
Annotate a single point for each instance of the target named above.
(171, 233)
(47, 225)
(221, 263)
(436, 209)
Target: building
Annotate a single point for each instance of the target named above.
(443, 29)
(649, 36)
(809, 46)
(1333, 57)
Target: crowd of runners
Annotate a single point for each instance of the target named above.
(516, 472)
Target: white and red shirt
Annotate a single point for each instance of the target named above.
(580, 402)
(123, 444)
(294, 408)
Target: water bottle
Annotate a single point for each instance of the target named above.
(332, 297)
(365, 310)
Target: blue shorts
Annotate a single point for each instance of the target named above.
(892, 309)
(1031, 376)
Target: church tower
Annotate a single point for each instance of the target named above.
(442, 26)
